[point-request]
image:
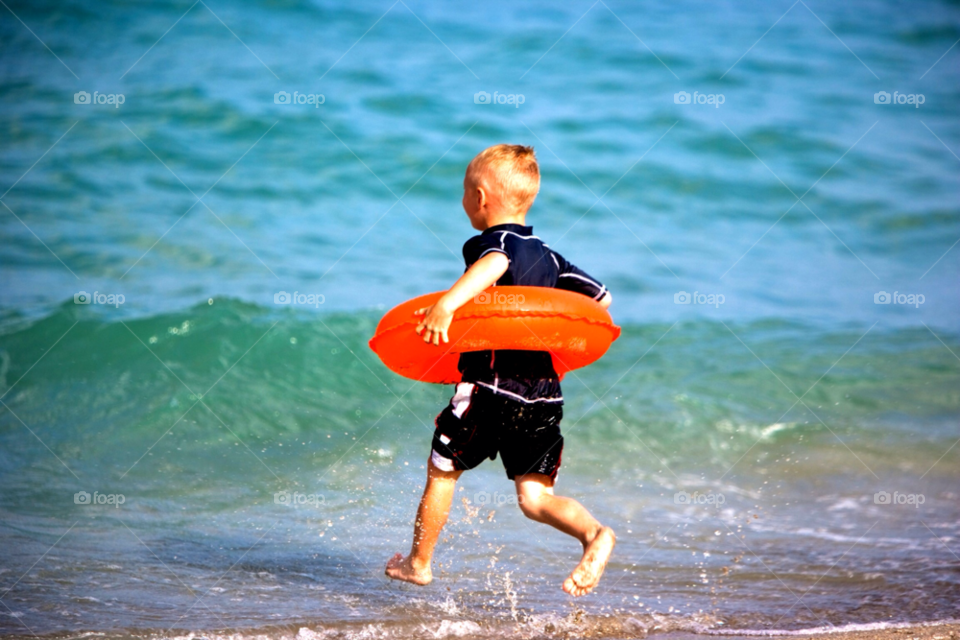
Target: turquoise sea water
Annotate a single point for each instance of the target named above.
(742, 450)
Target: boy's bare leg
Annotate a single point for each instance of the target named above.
(535, 493)
(431, 516)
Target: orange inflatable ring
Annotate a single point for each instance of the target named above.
(575, 329)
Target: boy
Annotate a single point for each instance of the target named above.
(509, 402)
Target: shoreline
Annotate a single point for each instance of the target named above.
(946, 630)
(467, 630)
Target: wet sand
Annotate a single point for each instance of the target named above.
(946, 631)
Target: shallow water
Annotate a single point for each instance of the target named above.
(776, 507)
(199, 399)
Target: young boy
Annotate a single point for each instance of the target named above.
(509, 402)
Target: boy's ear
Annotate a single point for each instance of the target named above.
(481, 197)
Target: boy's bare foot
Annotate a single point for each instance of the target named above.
(587, 574)
(400, 568)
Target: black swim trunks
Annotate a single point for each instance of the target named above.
(478, 424)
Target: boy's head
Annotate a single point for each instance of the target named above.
(500, 185)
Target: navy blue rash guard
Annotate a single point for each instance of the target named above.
(525, 376)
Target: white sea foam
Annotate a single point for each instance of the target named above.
(846, 628)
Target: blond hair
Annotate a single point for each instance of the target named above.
(513, 173)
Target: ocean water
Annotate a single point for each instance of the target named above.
(779, 455)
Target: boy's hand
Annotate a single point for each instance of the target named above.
(435, 323)
(437, 317)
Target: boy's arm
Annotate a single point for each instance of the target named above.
(576, 280)
(481, 275)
